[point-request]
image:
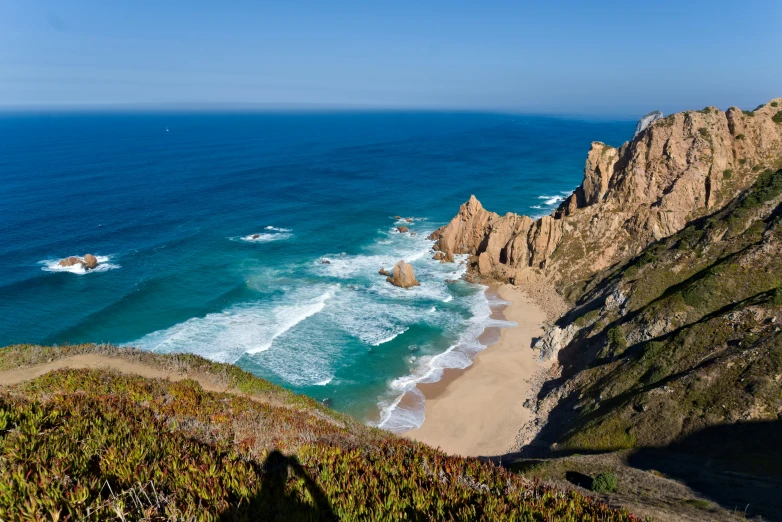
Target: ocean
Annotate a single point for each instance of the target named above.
(256, 238)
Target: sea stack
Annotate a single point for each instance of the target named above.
(403, 276)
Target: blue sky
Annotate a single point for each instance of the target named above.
(555, 57)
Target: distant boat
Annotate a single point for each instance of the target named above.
(166, 128)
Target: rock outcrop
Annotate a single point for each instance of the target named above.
(70, 261)
(676, 169)
(87, 263)
(403, 276)
(90, 261)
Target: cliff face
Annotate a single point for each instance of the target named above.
(678, 168)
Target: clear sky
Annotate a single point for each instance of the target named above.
(558, 57)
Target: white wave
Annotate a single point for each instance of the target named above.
(289, 316)
(249, 328)
(52, 265)
(536, 206)
(448, 299)
(390, 337)
(324, 382)
(263, 237)
(404, 408)
(277, 229)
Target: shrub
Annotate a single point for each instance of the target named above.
(751, 114)
(604, 483)
(616, 338)
(774, 104)
(727, 173)
(740, 137)
(706, 110)
(776, 297)
(703, 131)
(777, 118)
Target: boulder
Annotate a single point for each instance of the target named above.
(438, 256)
(384, 272)
(256, 236)
(90, 261)
(403, 276)
(71, 261)
(434, 235)
(409, 220)
(397, 217)
(412, 233)
(402, 229)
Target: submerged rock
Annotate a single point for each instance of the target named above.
(403, 276)
(409, 220)
(384, 272)
(256, 236)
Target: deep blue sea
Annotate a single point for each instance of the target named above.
(171, 215)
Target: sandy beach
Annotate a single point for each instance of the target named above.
(479, 411)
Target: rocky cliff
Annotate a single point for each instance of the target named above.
(678, 168)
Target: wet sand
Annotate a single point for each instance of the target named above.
(479, 411)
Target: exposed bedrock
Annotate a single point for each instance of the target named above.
(676, 169)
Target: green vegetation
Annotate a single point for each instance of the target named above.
(705, 110)
(727, 173)
(604, 483)
(774, 104)
(740, 137)
(616, 338)
(704, 132)
(777, 118)
(751, 114)
(100, 445)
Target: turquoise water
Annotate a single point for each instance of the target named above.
(172, 216)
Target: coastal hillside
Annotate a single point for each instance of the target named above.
(677, 169)
(96, 432)
(669, 260)
(676, 355)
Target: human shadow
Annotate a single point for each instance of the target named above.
(274, 502)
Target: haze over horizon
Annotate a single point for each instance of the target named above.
(564, 58)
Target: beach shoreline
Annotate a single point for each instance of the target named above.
(480, 410)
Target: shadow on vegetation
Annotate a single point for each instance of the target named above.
(738, 466)
(276, 502)
(579, 479)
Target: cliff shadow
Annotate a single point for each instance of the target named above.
(274, 502)
(738, 466)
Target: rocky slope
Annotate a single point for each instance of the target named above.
(675, 170)
(676, 355)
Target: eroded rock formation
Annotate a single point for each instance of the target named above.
(403, 276)
(678, 168)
